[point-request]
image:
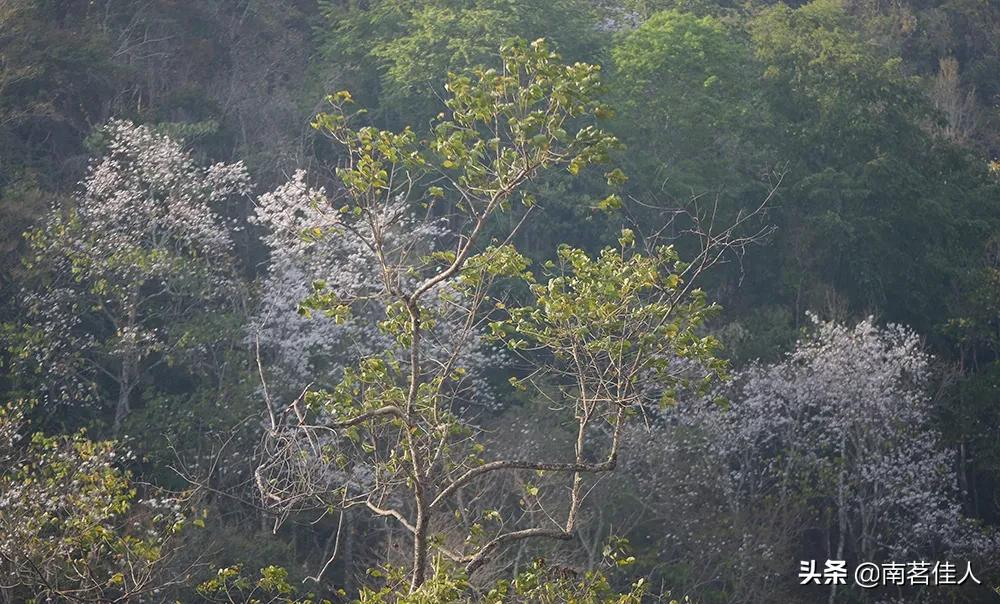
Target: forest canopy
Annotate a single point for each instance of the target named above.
(597, 301)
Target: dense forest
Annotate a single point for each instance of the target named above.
(448, 301)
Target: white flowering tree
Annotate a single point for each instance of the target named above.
(115, 277)
(396, 424)
(311, 249)
(849, 413)
(830, 453)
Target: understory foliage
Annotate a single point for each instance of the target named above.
(71, 527)
(538, 584)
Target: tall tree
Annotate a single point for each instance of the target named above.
(119, 276)
(683, 86)
(876, 213)
(831, 453)
(594, 329)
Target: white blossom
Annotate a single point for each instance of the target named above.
(141, 249)
(308, 243)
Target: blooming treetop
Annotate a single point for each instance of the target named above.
(848, 413)
(142, 247)
(314, 251)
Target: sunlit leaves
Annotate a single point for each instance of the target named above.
(614, 315)
(65, 524)
(501, 127)
(272, 585)
(599, 328)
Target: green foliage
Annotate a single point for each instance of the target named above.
(592, 329)
(503, 126)
(272, 586)
(887, 206)
(684, 91)
(871, 203)
(630, 12)
(839, 100)
(399, 52)
(124, 279)
(69, 519)
(618, 314)
(52, 78)
(444, 585)
(539, 583)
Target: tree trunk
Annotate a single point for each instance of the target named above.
(420, 544)
(349, 558)
(122, 408)
(129, 364)
(841, 511)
